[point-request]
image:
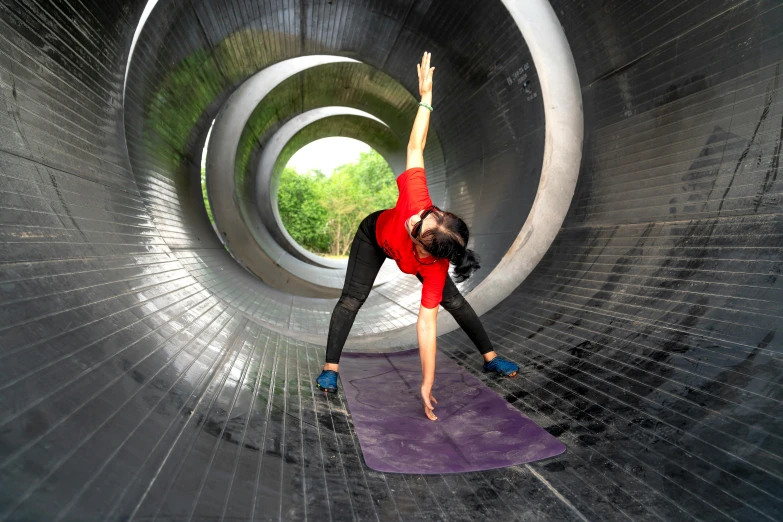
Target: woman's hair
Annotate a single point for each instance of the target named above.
(448, 240)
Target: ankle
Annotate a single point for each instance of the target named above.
(333, 367)
(489, 356)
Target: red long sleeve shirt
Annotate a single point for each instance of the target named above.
(393, 237)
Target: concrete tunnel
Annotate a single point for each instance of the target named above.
(616, 161)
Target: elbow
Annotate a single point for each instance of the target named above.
(415, 147)
(422, 327)
(425, 326)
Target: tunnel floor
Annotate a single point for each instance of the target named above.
(230, 427)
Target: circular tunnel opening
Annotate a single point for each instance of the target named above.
(484, 152)
(326, 188)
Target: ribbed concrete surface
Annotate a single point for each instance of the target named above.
(140, 378)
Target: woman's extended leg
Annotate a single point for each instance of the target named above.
(364, 263)
(459, 308)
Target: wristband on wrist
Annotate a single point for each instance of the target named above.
(426, 106)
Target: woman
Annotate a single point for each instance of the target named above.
(423, 240)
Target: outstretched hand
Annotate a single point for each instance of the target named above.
(425, 74)
(429, 400)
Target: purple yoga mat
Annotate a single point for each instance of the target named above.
(476, 429)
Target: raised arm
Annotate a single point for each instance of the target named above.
(422, 123)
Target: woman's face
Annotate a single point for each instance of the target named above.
(429, 222)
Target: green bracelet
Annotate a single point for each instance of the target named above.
(426, 106)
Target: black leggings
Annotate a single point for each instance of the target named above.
(363, 265)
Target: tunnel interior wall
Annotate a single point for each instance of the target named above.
(135, 384)
(485, 129)
(649, 332)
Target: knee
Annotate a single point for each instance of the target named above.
(454, 302)
(350, 304)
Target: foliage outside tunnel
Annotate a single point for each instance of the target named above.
(323, 212)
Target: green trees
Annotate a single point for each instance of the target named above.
(298, 200)
(322, 213)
